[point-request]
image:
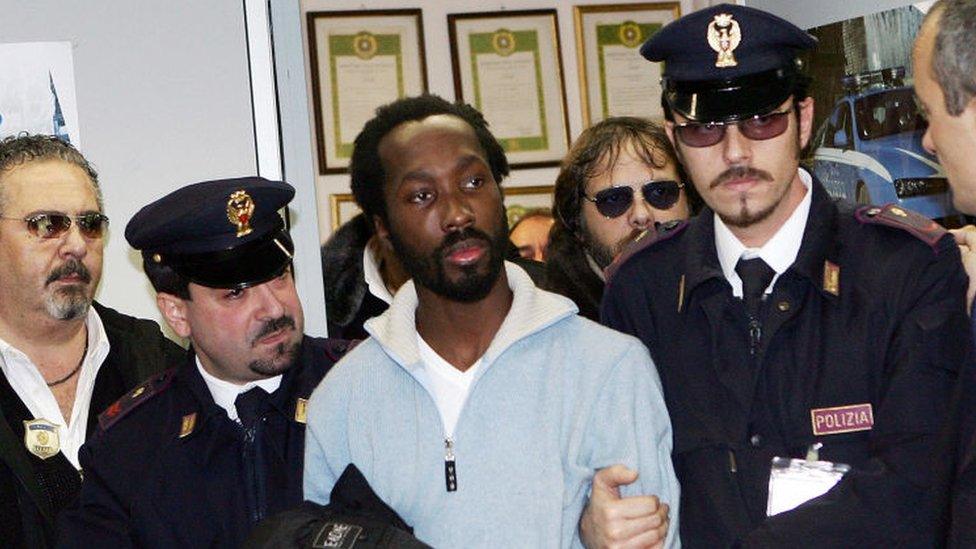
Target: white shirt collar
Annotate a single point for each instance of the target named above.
(779, 252)
(27, 381)
(225, 393)
(374, 280)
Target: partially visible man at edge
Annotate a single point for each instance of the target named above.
(64, 357)
(945, 84)
(480, 407)
(620, 178)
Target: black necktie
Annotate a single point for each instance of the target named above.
(756, 276)
(252, 406)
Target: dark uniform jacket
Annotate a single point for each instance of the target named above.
(138, 349)
(890, 331)
(169, 468)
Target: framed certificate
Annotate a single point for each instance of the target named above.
(614, 79)
(508, 66)
(360, 60)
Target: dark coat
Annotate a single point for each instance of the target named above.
(138, 349)
(569, 274)
(348, 303)
(892, 334)
(171, 469)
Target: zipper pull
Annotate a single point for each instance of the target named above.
(755, 335)
(733, 466)
(450, 472)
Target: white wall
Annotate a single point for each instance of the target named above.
(440, 77)
(814, 13)
(163, 100)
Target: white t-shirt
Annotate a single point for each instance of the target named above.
(446, 384)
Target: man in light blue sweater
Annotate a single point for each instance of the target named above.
(481, 407)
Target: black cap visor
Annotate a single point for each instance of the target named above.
(247, 265)
(732, 99)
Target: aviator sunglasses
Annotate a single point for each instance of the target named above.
(615, 201)
(757, 128)
(53, 225)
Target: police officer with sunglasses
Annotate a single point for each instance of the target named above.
(786, 324)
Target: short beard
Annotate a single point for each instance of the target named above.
(285, 354)
(429, 272)
(746, 217)
(69, 302)
(600, 252)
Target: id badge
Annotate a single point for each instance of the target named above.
(796, 481)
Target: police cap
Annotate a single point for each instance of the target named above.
(727, 62)
(225, 233)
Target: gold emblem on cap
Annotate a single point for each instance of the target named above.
(899, 212)
(724, 36)
(240, 208)
(41, 438)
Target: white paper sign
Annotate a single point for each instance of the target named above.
(37, 90)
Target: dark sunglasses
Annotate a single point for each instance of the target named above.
(757, 128)
(615, 201)
(53, 225)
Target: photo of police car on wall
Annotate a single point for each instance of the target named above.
(867, 143)
(869, 149)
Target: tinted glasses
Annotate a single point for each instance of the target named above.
(53, 225)
(615, 201)
(757, 128)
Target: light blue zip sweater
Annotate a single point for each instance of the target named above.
(557, 398)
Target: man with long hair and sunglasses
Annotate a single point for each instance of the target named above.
(786, 324)
(620, 179)
(63, 357)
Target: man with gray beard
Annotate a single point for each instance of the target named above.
(63, 358)
(196, 456)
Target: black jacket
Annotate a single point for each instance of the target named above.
(168, 468)
(568, 273)
(138, 349)
(892, 334)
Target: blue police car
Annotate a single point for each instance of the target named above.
(869, 149)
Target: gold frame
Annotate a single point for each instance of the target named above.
(579, 12)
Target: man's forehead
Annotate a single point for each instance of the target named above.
(409, 143)
(45, 183)
(414, 131)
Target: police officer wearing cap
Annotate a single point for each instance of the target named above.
(785, 323)
(196, 456)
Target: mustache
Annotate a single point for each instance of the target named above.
(70, 267)
(272, 326)
(740, 172)
(452, 239)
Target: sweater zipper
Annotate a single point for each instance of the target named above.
(450, 471)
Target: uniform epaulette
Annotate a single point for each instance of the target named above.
(893, 215)
(337, 348)
(664, 231)
(149, 388)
